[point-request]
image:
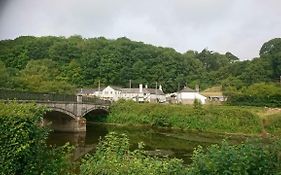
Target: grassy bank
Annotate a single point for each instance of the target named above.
(222, 119)
(272, 122)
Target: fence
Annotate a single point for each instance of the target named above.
(47, 97)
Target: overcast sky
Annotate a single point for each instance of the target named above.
(238, 26)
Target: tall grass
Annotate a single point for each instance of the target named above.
(209, 118)
(273, 124)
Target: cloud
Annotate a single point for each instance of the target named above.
(239, 26)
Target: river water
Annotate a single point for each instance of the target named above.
(159, 142)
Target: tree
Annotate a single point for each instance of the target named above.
(259, 70)
(64, 51)
(271, 51)
(41, 76)
(85, 62)
(72, 73)
(4, 76)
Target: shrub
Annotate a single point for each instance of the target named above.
(114, 157)
(204, 118)
(22, 142)
(259, 94)
(246, 158)
(197, 104)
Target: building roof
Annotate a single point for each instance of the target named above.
(125, 90)
(210, 94)
(130, 90)
(145, 90)
(187, 89)
(88, 91)
(213, 91)
(115, 88)
(155, 91)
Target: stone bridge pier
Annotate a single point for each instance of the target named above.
(68, 117)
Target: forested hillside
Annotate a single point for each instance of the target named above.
(59, 64)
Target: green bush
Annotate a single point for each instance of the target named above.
(203, 118)
(22, 142)
(251, 100)
(114, 157)
(197, 104)
(246, 158)
(259, 94)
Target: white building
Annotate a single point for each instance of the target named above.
(155, 95)
(136, 94)
(140, 94)
(112, 93)
(214, 94)
(144, 94)
(188, 95)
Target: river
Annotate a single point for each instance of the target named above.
(159, 142)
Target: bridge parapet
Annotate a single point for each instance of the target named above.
(73, 106)
(49, 97)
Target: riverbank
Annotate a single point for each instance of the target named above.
(28, 153)
(179, 133)
(208, 118)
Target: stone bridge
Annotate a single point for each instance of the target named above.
(66, 112)
(69, 117)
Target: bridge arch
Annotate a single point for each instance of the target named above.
(96, 114)
(97, 107)
(60, 120)
(68, 113)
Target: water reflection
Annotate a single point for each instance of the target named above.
(157, 142)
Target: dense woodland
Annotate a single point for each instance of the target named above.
(59, 64)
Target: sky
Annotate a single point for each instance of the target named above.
(237, 26)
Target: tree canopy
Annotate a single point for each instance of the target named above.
(58, 64)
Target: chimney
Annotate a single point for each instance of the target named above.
(146, 87)
(140, 87)
(160, 87)
(197, 88)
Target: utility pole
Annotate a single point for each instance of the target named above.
(99, 88)
(178, 93)
(130, 83)
(156, 92)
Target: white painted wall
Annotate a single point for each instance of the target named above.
(141, 95)
(110, 93)
(191, 96)
(153, 97)
(127, 96)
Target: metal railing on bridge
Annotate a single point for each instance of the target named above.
(47, 97)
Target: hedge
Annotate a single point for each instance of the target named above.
(23, 147)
